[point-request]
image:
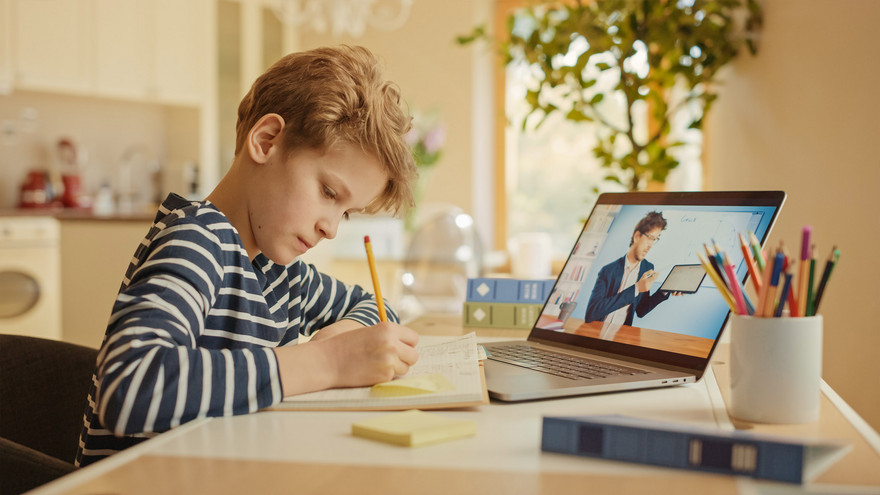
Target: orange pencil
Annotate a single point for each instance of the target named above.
(750, 263)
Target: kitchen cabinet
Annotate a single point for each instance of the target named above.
(51, 45)
(145, 50)
(123, 51)
(182, 47)
(5, 48)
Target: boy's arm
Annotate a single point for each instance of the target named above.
(151, 375)
(327, 302)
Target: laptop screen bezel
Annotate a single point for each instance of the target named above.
(695, 364)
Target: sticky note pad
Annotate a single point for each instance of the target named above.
(413, 428)
(423, 384)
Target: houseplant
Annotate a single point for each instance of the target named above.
(618, 62)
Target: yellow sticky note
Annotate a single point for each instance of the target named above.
(414, 385)
(413, 428)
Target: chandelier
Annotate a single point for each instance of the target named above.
(344, 17)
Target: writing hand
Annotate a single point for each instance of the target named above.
(645, 282)
(374, 354)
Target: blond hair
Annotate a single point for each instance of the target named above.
(333, 95)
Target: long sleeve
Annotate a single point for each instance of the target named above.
(152, 374)
(605, 298)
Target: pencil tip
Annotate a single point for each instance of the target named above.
(366, 238)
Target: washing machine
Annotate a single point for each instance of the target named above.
(30, 276)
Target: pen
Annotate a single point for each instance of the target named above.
(829, 265)
(379, 301)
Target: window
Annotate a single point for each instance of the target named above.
(548, 174)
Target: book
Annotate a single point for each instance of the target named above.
(461, 382)
(500, 315)
(624, 438)
(414, 428)
(509, 290)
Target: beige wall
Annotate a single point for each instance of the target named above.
(804, 116)
(434, 74)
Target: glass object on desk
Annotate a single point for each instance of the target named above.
(443, 252)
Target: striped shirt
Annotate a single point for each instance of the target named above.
(193, 327)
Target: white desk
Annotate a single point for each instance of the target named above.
(314, 452)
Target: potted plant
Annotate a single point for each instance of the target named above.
(616, 63)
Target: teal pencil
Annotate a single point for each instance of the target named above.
(829, 266)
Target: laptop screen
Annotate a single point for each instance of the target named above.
(633, 283)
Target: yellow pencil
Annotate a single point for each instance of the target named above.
(722, 287)
(372, 261)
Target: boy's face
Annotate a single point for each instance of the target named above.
(306, 194)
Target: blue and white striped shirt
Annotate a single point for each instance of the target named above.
(193, 327)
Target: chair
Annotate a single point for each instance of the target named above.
(44, 386)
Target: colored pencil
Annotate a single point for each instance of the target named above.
(722, 288)
(750, 263)
(804, 268)
(808, 311)
(826, 274)
(756, 250)
(786, 290)
(770, 302)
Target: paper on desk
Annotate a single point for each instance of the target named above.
(456, 358)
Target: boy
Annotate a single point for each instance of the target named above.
(216, 290)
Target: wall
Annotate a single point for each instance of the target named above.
(803, 116)
(434, 74)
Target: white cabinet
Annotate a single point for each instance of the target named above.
(5, 48)
(182, 41)
(123, 48)
(51, 44)
(146, 50)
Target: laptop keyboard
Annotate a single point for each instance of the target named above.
(558, 364)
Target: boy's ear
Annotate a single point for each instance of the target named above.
(265, 136)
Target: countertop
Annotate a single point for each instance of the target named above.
(84, 214)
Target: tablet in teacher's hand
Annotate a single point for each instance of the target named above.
(684, 278)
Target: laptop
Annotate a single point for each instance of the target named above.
(609, 324)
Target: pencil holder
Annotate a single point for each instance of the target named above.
(775, 369)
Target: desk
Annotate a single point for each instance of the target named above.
(314, 452)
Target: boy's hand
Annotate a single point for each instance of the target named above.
(351, 358)
(371, 355)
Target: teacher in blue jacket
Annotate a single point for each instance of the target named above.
(622, 285)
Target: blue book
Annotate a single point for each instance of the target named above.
(629, 439)
(509, 290)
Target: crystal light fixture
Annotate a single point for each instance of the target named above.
(344, 17)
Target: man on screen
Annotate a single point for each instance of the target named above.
(623, 284)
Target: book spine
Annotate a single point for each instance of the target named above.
(500, 315)
(675, 449)
(509, 290)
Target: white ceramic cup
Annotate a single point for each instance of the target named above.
(775, 369)
(532, 255)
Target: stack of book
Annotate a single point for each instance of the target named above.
(505, 302)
